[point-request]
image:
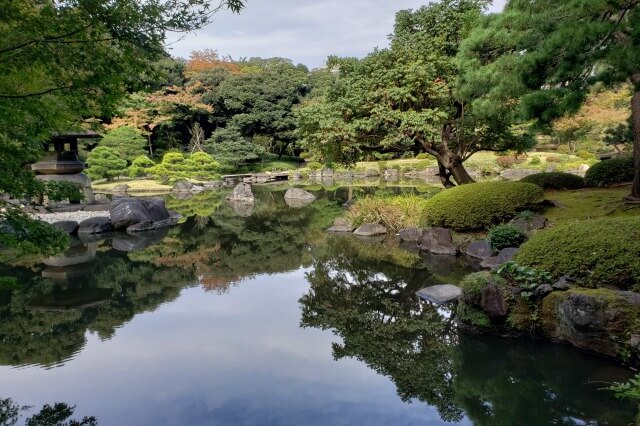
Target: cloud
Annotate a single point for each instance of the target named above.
(306, 31)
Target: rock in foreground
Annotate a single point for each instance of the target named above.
(438, 241)
(125, 212)
(370, 230)
(440, 294)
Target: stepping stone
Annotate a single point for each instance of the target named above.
(440, 294)
(371, 230)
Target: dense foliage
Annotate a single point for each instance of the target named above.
(602, 252)
(480, 205)
(127, 141)
(394, 213)
(506, 235)
(607, 172)
(555, 180)
(176, 166)
(105, 163)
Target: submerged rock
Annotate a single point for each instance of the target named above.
(438, 241)
(370, 230)
(440, 294)
(67, 226)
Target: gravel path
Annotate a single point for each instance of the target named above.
(76, 216)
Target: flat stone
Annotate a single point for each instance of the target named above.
(505, 255)
(67, 226)
(410, 235)
(125, 212)
(438, 241)
(96, 225)
(479, 250)
(440, 294)
(370, 230)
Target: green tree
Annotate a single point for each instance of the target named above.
(64, 61)
(228, 146)
(403, 98)
(105, 163)
(127, 141)
(538, 58)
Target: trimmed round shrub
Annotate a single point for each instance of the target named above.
(555, 180)
(481, 205)
(503, 236)
(314, 165)
(422, 156)
(607, 172)
(598, 253)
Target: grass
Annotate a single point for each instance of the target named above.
(589, 203)
(397, 212)
(142, 185)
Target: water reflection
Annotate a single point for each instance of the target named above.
(239, 357)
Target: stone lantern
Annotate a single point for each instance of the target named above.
(63, 163)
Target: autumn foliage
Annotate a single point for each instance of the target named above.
(203, 60)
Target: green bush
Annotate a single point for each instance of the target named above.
(176, 166)
(106, 163)
(314, 165)
(140, 165)
(503, 236)
(611, 171)
(422, 156)
(535, 161)
(127, 141)
(602, 252)
(481, 205)
(585, 155)
(555, 180)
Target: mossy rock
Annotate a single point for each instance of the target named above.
(555, 180)
(597, 253)
(599, 320)
(478, 206)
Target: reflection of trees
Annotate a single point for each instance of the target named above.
(371, 305)
(57, 415)
(368, 300)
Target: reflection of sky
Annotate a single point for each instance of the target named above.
(238, 358)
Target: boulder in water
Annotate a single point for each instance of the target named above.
(370, 230)
(242, 193)
(125, 212)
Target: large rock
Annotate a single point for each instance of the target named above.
(297, 198)
(438, 241)
(493, 302)
(479, 250)
(528, 225)
(440, 294)
(125, 212)
(410, 235)
(341, 225)
(242, 193)
(505, 255)
(137, 241)
(95, 225)
(67, 226)
(370, 230)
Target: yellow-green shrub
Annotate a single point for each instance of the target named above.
(602, 252)
(395, 213)
(480, 205)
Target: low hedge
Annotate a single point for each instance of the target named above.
(555, 180)
(607, 172)
(597, 253)
(480, 205)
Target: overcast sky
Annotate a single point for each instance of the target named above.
(306, 31)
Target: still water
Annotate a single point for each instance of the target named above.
(255, 316)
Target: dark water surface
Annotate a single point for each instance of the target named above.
(254, 316)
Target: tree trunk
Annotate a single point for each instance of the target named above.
(635, 118)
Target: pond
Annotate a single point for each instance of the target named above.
(260, 317)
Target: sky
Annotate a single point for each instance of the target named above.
(305, 31)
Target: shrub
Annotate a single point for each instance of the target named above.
(602, 252)
(503, 236)
(422, 156)
(535, 161)
(127, 141)
(480, 205)
(176, 166)
(552, 159)
(106, 163)
(314, 165)
(527, 278)
(555, 180)
(140, 165)
(611, 171)
(393, 212)
(585, 155)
